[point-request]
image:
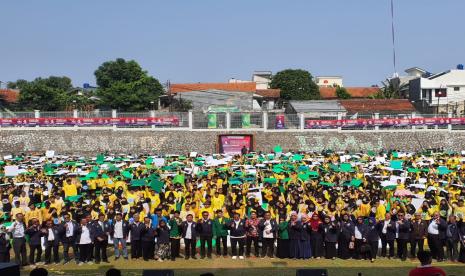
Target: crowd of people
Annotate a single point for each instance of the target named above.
(296, 205)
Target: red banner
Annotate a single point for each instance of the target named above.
(126, 121)
(314, 124)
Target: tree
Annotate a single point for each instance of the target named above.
(295, 84)
(123, 85)
(46, 94)
(390, 90)
(341, 93)
(16, 84)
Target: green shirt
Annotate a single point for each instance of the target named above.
(174, 229)
(283, 232)
(219, 228)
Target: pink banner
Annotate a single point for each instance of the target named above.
(133, 121)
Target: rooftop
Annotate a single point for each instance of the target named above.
(234, 86)
(317, 106)
(9, 95)
(377, 105)
(355, 92)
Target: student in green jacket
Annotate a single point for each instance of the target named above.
(283, 239)
(175, 234)
(220, 233)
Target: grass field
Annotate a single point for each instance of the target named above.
(251, 267)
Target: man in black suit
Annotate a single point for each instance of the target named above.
(237, 236)
(135, 227)
(268, 231)
(205, 230)
(189, 235)
(51, 233)
(68, 238)
(35, 235)
(102, 231)
(436, 236)
(404, 228)
(418, 235)
(388, 235)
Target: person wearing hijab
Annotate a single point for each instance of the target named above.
(346, 237)
(283, 239)
(294, 229)
(316, 237)
(331, 231)
(305, 245)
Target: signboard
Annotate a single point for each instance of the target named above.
(280, 121)
(211, 120)
(233, 143)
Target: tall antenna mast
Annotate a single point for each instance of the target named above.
(393, 39)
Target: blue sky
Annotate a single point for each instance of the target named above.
(214, 40)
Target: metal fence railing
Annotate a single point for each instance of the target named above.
(244, 120)
(269, 121)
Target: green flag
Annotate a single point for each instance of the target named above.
(138, 182)
(156, 185)
(346, 167)
(443, 170)
(179, 179)
(126, 174)
(396, 164)
(246, 120)
(211, 120)
(100, 159)
(277, 149)
(149, 161)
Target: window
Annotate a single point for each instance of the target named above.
(456, 88)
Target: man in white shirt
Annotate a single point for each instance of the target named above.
(84, 241)
(189, 234)
(18, 229)
(119, 233)
(268, 230)
(436, 236)
(69, 238)
(52, 241)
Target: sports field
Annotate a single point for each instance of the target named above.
(252, 267)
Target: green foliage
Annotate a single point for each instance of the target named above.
(390, 90)
(341, 93)
(47, 94)
(295, 84)
(17, 84)
(123, 85)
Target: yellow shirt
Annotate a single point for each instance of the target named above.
(36, 214)
(15, 211)
(70, 190)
